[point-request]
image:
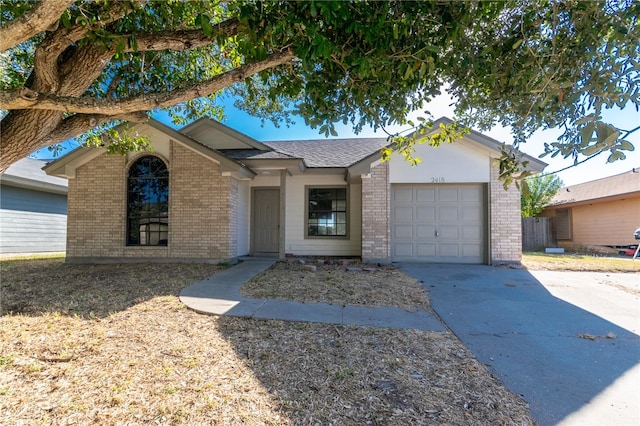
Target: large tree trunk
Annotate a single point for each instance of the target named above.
(22, 131)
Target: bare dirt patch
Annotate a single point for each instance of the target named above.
(372, 285)
(152, 361)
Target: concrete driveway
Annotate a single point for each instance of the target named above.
(544, 334)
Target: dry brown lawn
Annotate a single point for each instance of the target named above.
(112, 344)
(578, 262)
(373, 286)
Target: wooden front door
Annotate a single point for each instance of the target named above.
(265, 228)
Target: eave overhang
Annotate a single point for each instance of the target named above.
(21, 182)
(577, 203)
(232, 133)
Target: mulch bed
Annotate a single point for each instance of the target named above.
(351, 284)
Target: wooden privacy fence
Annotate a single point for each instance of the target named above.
(537, 233)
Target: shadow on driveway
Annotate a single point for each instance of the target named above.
(553, 353)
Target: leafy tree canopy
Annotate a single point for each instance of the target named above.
(69, 68)
(537, 192)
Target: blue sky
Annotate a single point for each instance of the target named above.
(595, 168)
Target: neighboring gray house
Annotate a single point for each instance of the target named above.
(33, 210)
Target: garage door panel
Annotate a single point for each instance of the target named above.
(448, 233)
(425, 250)
(425, 232)
(456, 213)
(471, 250)
(447, 194)
(471, 233)
(403, 214)
(425, 213)
(471, 194)
(470, 213)
(448, 213)
(403, 250)
(403, 232)
(448, 250)
(403, 195)
(425, 195)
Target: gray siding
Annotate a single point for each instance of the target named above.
(32, 221)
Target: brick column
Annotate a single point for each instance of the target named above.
(375, 215)
(233, 218)
(506, 223)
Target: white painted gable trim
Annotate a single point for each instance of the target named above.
(219, 131)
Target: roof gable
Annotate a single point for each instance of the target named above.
(237, 152)
(66, 165)
(535, 164)
(217, 136)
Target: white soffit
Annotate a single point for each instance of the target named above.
(218, 136)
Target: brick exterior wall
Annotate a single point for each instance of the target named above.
(202, 211)
(198, 207)
(96, 209)
(376, 231)
(505, 231)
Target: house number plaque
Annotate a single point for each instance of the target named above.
(437, 180)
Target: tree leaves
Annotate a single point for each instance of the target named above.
(422, 133)
(205, 24)
(537, 192)
(529, 64)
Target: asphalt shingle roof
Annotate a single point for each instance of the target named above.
(31, 169)
(253, 154)
(623, 183)
(330, 152)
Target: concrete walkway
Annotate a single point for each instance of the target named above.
(220, 295)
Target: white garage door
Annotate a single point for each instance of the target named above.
(438, 223)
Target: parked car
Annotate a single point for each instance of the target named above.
(629, 251)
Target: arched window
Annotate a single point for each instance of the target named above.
(148, 202)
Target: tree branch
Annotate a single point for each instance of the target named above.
(45, 62)
(29, 99)
(628, 132)
(81, 123)
(178, 40)
(34, 21)
(80, 71)
(584, 160)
